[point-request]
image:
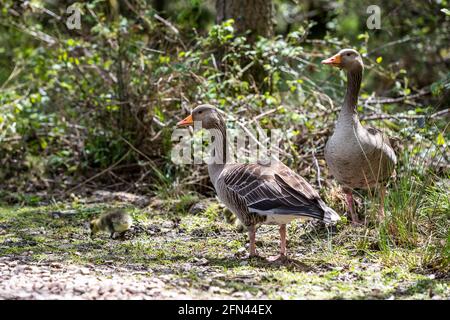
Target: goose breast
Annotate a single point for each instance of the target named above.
(360, 158)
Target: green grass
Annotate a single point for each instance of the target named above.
(205, 252)
(406, 256)
(416, 228)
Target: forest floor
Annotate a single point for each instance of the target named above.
(46, 253)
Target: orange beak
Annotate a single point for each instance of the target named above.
(334, 60)
(188, 121)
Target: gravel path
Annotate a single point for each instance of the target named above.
(20, 279)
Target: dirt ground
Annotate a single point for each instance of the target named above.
(46, 253)
(22, 279)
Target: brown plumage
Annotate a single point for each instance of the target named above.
(256, 193)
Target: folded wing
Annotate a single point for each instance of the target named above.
(274, 190)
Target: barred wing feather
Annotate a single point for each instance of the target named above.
(273, 190)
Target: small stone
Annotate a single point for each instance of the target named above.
(167, 225)
(201, 261)
(79, 290)
(198, 207)
(56, 265)
(56, 215)
(213, 289)
(84, 271)
(38, 286)
(136, 290)
(187, 267)
(241, 250)
(238, 295)
(31, 268)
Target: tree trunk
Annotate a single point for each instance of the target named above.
(253, 15)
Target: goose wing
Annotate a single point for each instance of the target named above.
(386, 143)
(274, 190)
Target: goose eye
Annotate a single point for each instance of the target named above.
(200, 112)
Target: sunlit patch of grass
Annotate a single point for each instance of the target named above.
(20, 198)
(415, 231)
(425, 286)
(203, 250)
(174, 204)
(212, 212)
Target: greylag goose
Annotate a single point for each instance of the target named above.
(256, 193)
(357, 156)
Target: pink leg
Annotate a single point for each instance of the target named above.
(252, 237)
(354, 216)
(282, 256)
(283, 240)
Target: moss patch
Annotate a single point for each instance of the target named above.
(205, 252)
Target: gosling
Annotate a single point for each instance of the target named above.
(117, 221)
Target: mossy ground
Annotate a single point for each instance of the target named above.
(205, 253)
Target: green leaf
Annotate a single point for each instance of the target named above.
(43, 144)
(164, 59)
(440, 139)
(70, 42)
(364, 36)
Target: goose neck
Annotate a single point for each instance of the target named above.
(219, 156)
(354, 77)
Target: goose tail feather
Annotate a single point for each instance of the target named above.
(330, 216)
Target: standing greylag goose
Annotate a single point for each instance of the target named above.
(357, 157)
(255, 193)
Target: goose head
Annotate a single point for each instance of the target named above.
(347, 59)
(206, 114)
